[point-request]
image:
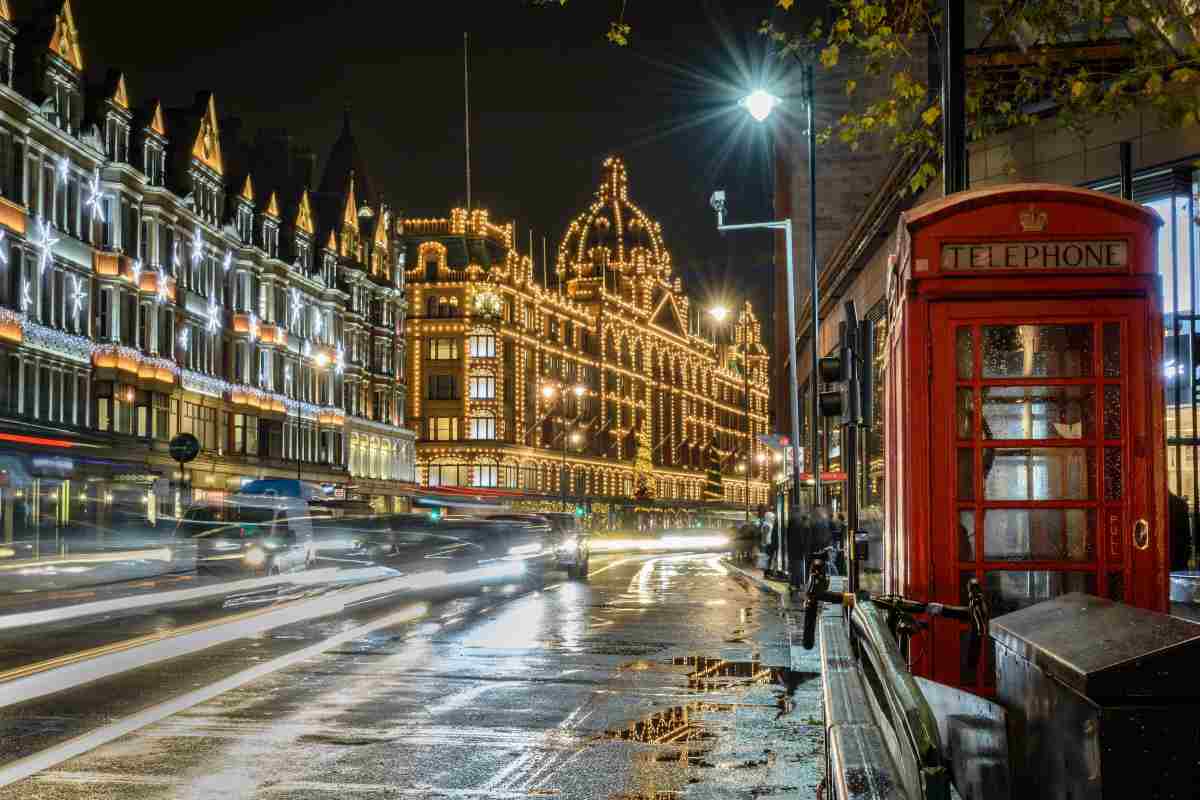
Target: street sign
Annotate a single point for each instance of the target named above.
(184, 448)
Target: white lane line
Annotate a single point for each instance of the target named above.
(117, 659)
(53, 756)
(133, 602)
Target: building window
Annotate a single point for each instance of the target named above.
(484, 475)
(482, 427)
(443, 349)
(442, 429)
(481, 346)
(443, 387)
(482, 387)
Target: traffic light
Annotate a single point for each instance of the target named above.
(849, 371)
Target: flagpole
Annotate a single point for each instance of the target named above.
(467, 111)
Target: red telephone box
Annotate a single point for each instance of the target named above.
(1024, 408)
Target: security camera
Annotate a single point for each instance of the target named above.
(717, 201)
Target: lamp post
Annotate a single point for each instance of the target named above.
(719, 313)
(557, 392)
(759, 104)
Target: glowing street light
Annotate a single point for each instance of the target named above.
(548, 391)
(759, 104)
(576, 438)
(719, 313)
(322, 359)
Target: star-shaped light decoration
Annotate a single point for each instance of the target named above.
(64, 169)
(214, 317)
(318, 320)
(227, 261)
(3, 247)
(296, 305)
(339, 360)
(253, 327)
(162, 286)
(78, 295)
(287, 377)
(184, 336)
(175, 254)
(94, 203)
(197, 247)
(135, 273)
(46, 241)
(26, 298)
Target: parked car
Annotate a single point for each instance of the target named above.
(572, 546)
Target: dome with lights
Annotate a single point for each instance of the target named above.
(612, 233)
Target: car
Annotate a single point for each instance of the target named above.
(572, 545)
(247, 534)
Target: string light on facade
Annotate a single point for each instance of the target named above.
(197, 246)
(296, 306)
(46, 241)
(95, 200)
(214, 317)
(78, 296)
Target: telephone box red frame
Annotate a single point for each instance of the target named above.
(989, 263)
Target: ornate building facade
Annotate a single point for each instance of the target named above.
(158, 275)
(597, 385)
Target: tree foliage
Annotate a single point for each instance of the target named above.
(1079, 61)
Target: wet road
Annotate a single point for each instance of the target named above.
(662, 677)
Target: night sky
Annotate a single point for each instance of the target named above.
(550, 98)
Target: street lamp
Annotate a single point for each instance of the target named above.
(759, 105)
(557, 391)
(720, 313)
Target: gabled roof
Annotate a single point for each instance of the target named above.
(206, 147)
(667, 317)
(345, 160)
(64, 41)
(304, 218)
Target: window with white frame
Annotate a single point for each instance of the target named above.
(482, 427)
(481, 346)
(484, 475)
(482, 387)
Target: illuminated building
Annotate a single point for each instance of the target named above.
(608, 358)
(159, 276)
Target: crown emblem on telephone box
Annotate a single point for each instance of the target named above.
(1034, 219)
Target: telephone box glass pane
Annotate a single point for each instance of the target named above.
(1009, 591)
(1113, 473)
(966, 535)
(1112, 349)
(1038, 412)
(965, 412)
(1039, 534)
(964, 353)
(1112, 412)
(1038, 473)
(1037, 351)
(966, 474)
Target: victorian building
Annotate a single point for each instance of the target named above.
(158, 276)
(597, 385)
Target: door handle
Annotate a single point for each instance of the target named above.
(1141, 534)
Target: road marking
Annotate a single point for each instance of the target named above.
(53, 756)
(133, 602)
(66, 672)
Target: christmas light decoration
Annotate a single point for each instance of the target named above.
(227, 261)
(184, 336)
(197, 246)
(3, 247)
(135, 273)
(95, 200)
(45, 239)
(339, 360)
(78, 295)
(63, 169)
(296, 306)
(162, 286)
(26, 298)
(214, 317)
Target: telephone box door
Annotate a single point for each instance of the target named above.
(1042, 425)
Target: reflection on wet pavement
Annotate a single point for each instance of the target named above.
(627, 686)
